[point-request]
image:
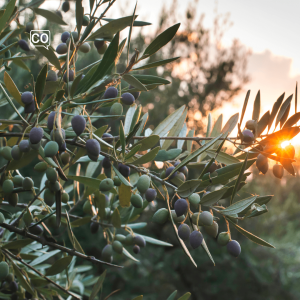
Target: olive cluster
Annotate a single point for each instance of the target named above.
(203, 218)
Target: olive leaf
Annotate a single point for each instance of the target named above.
(59, 266)
(12, 88)
(49, 15)
(40, 84)
(256, 107)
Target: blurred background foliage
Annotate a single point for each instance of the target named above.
(205, 76)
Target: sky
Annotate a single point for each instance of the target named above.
(269, 28)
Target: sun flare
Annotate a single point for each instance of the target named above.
(284, 144)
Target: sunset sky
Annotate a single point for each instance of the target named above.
(268, 28)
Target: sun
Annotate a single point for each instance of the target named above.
(284, 144)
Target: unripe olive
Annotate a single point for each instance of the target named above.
(262, 163)
(54, 186)
(23, 45)
(10, 277)
(196, 239)
(251, 125)
(51, 175)
(13, 199)
(71, 76)
(176, 219)
(78, 124)
(117, 246)
(51, 149)
(136, 249)
(106, 185)
(127, 99)
(27, 98)
(184, 232)
(180, 176)
(117, 181)
(180, 207)
(136, 201)
(50, 120)
(223, 238)
(85, 48)
(87, 207)
(94, 227)
(169, 171)
(65, 6)
(30, 108)
(29, 27)
(212, 230)
(41, 166)
(278, 171)
(36, 230)
(27, 218)
(2, 218)
(124, 170)
(139, 240)
(110, 93)
(27, 183)
(65, 158)
(6, 153)
(52, 221)
(85, 20)
(65, 197)
(234, 248)
(7, 186)
(106, 254)
(24, 146)
(195, 218)
(247, 136)
(18, 181)
(120, 237)
(36, 135)
(213, 167)
(128, 240)
(143, 183)
(4, 270)
(194, 199)
(35, 146)
(116, 109)
(62, 48)
(206, 218)
(58, 136)
(150, 194)
(49, 197)
(51, 76)
(161, 216)
(75, 36)
(135, 94)
(64, 36)
(93, 149)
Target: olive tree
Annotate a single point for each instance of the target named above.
(89, 176)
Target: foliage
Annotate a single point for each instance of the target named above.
(89, 176)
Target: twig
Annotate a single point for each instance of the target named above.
(41, 240)
(8, 253)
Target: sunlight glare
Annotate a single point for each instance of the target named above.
(284, 144)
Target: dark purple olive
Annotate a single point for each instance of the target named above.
(234, 248)
(93, 149)
(27, 98)
(107, 135)
(36, 230)
(24, 146)
(71, 76)
(127, 99)
(23, 45)
(247, 136)
(30, 108)
(135, 94)
(65, 6)
(184, 232)
(110, 93)
(196, 239)
(99, 44)
(106, 164)
(150, 194)
(78, 124)
(139, 240)
(136, 249)
(63, 147)
(94, 227)
(62, 48)
(64, 36)
(124, 170)
(36, 135)
(169, 171)
(180, 207)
